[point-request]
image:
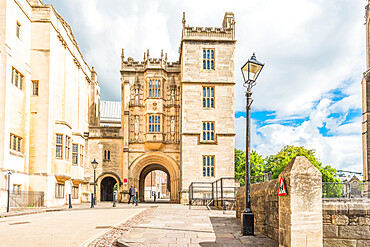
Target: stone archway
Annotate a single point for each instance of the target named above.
(105, 176)
(106, 189)
(155, 161)
(148, 169)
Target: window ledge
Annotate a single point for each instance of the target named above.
(16, 153)
(213, 142)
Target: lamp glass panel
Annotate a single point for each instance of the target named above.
(251, 71)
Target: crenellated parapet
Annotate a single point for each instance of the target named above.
(224, 33)
(149, 63)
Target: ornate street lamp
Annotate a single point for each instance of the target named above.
(94, 165)
(250, 72)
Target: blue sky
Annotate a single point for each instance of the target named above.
(309, 92)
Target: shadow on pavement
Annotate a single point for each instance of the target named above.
(227, 230)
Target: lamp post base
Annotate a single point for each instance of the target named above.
(247, 223)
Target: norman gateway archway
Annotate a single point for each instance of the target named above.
(175, 119)
(152, 161)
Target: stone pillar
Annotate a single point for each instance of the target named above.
(300, 211)
(366, 110)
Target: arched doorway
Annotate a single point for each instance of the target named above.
(148, 170)
(106, 189)
(151, 161)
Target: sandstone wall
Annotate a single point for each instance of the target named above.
(346, 223)
(294, 219)
(264, 205)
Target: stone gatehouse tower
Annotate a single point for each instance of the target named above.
(177, 117)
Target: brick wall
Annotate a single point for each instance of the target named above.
(346, 223)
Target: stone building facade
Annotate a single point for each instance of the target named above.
(177, 117)
(366, 107)
(48, 98)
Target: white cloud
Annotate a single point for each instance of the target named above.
(340, 148)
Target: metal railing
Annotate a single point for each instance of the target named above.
(221, 192)
(26, 199)
(345, 190)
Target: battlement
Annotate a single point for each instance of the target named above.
(225, 33)
(147, 62)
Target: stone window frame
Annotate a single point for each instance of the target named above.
(35, 88)
(208, 97)
(15, 143)
(74, 154)
(18, 30)
(208, 165)
(208, 131)
(67, 147)
(17, 78)
(154, 88)
(75, 192)
(81, 155)
(59, 145)
(17, 189)
(208, 58)
(154, 123)
(106, 155)
(59, 190)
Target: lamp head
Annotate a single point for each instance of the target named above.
(251, 71)
(94, 164)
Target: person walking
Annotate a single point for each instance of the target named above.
(131, 192)
(136, 197)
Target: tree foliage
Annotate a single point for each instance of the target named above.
(257, 163)
(276, 163)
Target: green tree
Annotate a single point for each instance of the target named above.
(276, 163)
(257, 164)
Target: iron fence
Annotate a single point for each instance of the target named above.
(26, 199)
(345, 189)
(221, 192)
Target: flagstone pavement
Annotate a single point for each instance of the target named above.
(177, 225)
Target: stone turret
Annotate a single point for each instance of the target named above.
(94, 100)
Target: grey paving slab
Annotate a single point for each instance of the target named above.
(177, 225)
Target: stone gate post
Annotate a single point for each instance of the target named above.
(300, 211)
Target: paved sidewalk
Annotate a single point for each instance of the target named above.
(79, 206)
(177, 225)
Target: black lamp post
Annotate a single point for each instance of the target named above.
(94, 165)
(9, 173)
(250, 72)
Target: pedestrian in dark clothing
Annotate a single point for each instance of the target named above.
(131, 192)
